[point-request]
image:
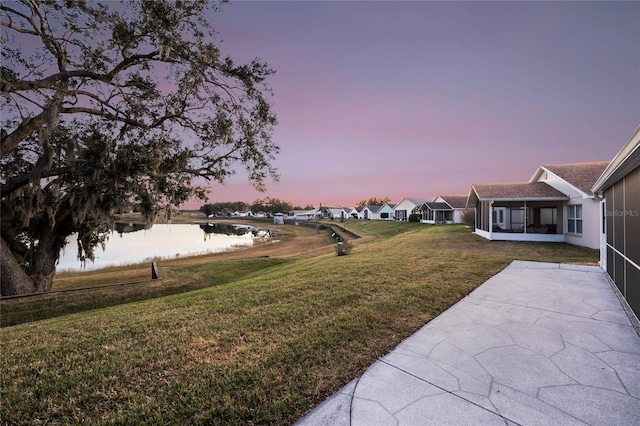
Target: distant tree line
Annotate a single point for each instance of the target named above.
(373, 202)
(261, 205)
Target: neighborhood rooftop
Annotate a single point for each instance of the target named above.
(580, 175)
(455, 201)
(514, 191)
(437, 206)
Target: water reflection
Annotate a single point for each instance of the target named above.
(133, 243)
(225, 228)
(125, 228)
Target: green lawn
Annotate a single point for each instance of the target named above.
(263, 345)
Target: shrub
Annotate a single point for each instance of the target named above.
(469, 217)
(414, 217)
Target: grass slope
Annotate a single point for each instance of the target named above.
(263, 347)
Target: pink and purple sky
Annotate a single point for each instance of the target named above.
(415, 99)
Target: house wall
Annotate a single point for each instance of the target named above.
(338, 214)
(590, 236)
(404, 205)
(368, 214)
(457, 215)
(388, 210)
(622, 228)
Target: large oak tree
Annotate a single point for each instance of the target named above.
(113, 104)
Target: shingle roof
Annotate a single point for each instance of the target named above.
(437, 206)
(517, 191)
(417, 201)
(455, 201)
(580, 175)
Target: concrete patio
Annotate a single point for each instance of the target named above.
(536, 344)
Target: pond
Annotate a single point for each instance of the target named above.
(131, 243)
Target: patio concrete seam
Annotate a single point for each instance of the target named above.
(542, 401)
(621, 381)
(507, 420)
(546, 310)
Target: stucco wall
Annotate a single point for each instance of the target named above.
(590, 236)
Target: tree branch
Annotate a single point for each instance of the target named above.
(9, 141)
(20, 181)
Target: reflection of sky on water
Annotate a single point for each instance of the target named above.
(163, 241)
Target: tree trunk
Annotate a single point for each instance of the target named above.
(15, 280)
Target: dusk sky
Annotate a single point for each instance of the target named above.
(416, 99)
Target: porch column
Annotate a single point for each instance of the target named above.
(491, 220)
(526, 215)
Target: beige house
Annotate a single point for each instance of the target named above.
(556, 205)
(407, 207)
(443, 209)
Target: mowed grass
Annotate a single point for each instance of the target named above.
(262, 348)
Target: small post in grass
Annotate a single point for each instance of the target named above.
(154, 271)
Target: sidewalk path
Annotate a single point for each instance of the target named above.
(536, 344)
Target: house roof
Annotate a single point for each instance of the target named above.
(374, 209)
(455, 201)
(437, 206)
(522, 191)
(580, 175)
(415, 201)
(625, 161)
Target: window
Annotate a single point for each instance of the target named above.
(574, 217)
(548, 216)
(517, 219)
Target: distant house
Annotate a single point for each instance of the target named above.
(386, 211)
(337, 212)
(278, 219)
(354, 213)
(302, 214)
(443, 209)
(458, 204)
(556, 205)
(619, 187)
(241, 214)
(406, 207)
(370, 212)
(435, 212)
